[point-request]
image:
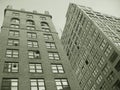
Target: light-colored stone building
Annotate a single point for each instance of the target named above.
(92, 43)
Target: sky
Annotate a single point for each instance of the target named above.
(58, 8)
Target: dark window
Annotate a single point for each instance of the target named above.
(9, 84)
(117, 67)
(116, 86)
(113, 57)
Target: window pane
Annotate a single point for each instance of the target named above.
(33, 88)
(14, 88)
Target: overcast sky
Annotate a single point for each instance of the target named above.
(58, 8)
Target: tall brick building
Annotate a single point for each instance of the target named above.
(31, 55)
(92, 43)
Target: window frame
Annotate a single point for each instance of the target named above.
(35, 68)
(35, 54)
(57, 68)
(9, 67)
(12, 53)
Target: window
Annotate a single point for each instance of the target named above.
(9, 84)
(117, 67)
(14, 33)
(46, 29)
(108, 50)
(116, 86)
(37, 84)
(53, 56)
(48, 36)
(11, 67)
(92, 66)
(83, 20)
(62, 84)
(57, 68)
(14, 26)
(33, 54)
(99, 79)
(32, 43)
(113, 57)
(30, 28)
(95, 72)
(15, 14)
(30, 22)
(104, 86)
(31, 35)
(44, 24)
(106, 69)
(15, 21)
(117, 43)
(103, 44)
(113, 38)
(90, 44)
(95, 34)
(42, 18)
(50, 45)
(101, 62)
(97, 56)
(35, 68)
(89, 82)
(13, 42)
(12, 53)
(111, 77)
(99, 38)
(29, 16)
(93, 87)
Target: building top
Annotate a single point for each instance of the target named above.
(9, 7)
(85, 8)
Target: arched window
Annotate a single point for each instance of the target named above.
(44, 24)
(30, 22)
(15, 20)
